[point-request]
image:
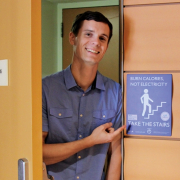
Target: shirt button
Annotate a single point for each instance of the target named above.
(79, 157)
(104, 116)
(81, 115)
(77, 177)
(60, 114)
(83, 94)
(80, 136)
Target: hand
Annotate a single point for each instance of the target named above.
(105, 133)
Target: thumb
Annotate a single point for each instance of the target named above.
(107, 125)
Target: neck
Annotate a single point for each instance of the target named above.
(83, 74)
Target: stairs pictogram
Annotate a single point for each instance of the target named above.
(154, 110)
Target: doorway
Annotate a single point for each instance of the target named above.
(109, 65)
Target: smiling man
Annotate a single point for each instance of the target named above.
(82, 108)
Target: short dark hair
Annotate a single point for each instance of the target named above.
(90, 15)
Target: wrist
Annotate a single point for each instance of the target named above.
(90, 141)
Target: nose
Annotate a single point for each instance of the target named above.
(96, 41)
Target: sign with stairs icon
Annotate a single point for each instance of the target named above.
(148, 104)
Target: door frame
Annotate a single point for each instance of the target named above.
(60, 7)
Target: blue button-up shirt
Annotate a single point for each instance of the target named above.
(70, 114)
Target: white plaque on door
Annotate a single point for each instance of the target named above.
(4, 72)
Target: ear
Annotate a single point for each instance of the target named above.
(72, 38)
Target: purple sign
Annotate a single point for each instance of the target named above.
(149, 104)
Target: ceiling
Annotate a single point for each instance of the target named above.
(71, 1)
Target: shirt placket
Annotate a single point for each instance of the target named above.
(80, 134)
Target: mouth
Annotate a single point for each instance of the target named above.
(90, 50)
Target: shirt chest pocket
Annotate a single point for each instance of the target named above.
(61, 123)
(101, 117)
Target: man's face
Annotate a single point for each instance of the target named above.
(91, 42)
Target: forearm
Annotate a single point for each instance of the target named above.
(114, 169)
(53, 153)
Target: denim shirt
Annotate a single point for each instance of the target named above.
(70, 114)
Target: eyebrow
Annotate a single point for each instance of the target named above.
(88, 30)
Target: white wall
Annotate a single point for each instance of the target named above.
(49, 38)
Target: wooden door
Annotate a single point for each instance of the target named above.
(20, 116)
(151, 45)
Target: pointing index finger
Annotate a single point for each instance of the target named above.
(120, 129)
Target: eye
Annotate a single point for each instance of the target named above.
(88, 34)
(103, 39)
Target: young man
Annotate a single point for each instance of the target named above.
(82, 108)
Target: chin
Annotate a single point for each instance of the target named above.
(93, 62)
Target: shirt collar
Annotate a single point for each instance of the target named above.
(70, 81)
(99, 81)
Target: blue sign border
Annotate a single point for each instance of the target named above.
(149, 104)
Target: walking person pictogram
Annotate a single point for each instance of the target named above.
(145, 101)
